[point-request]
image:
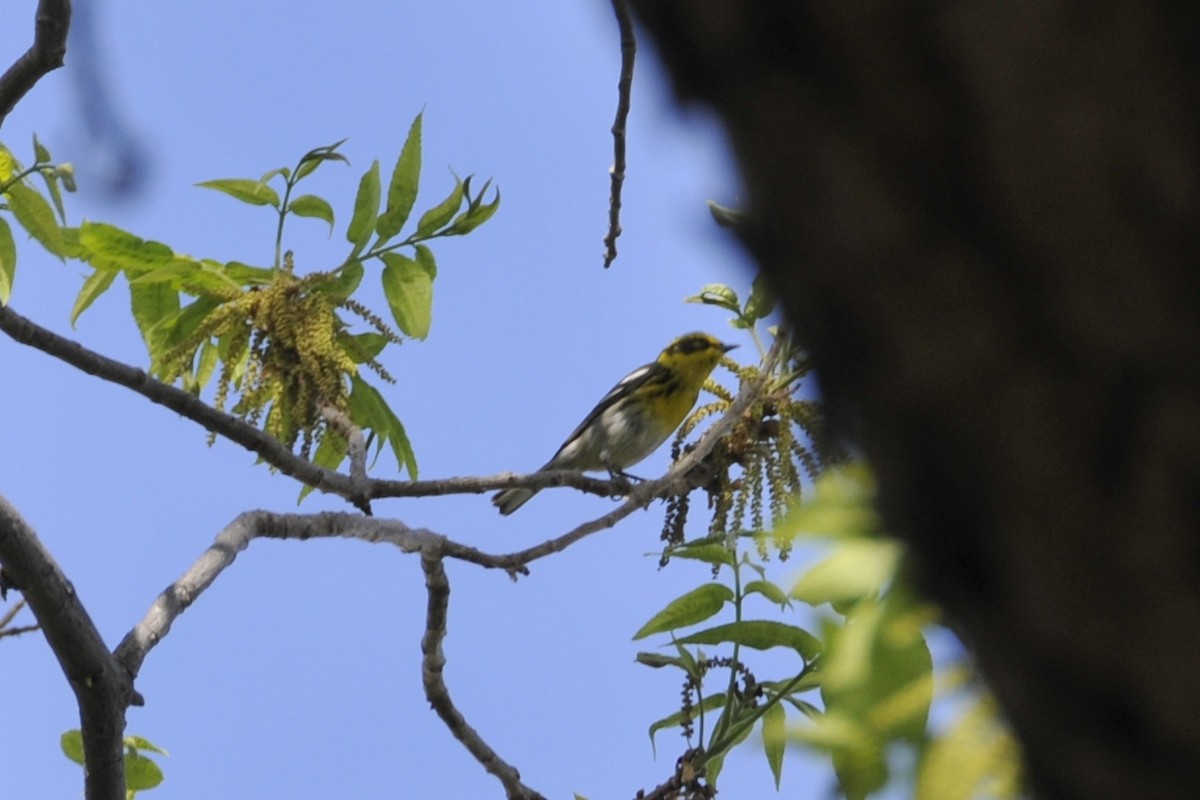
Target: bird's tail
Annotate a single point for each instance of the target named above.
(509, 500)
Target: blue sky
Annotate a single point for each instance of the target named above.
(297, 674)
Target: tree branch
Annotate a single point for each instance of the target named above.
(102, 689)
(434, 548)
(133, 649)
(237, 535)
(52, 21)
(27, 332)
(358, 492)
(356, 448)
(624, 92)
(432, 666)
(235, 538)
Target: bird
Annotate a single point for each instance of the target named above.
(636, 416)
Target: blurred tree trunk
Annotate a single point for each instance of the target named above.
(982, 217)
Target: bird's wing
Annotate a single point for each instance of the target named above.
(624, 386)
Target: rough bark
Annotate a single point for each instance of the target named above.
(982, 217)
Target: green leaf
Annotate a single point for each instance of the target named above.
(37, 217)
(71, 743)
(309, 205)
(151, 304)
(774, 733)
(708, 551)
(734, 732)
(861, 768)
(426, 261)
(829, 731)
(688, 661)
(50, 178)
(725, 217)
(477, 214)
(179, 326)
(974, 757)
(409, 292)
(442, 213)
(402, 190)
(695, 606)
(716, 294)
(96, 284)
(206, 366)
(318, 156)
(108, 247)
(330, 453)
(362, 347)
(141, 773)
(256, 193)
(40, 154)
(855, 569)
(247, 275)
(759, 634)
(366, 209)
(768, 590)
(142, 743)
(8, 262)
(269, 174)
(368, 409)
(213, 276)
(173, 272)
(878, 669)
(761, 302)
(842, 508)
(658, 660)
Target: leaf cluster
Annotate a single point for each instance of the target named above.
(865, 683)
(757, 472)
(279, 342)
(30, 209)
(743, 700)
(877, 676)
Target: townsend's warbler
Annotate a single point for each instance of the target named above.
(636, 416)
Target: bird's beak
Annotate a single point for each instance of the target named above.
(727, 347)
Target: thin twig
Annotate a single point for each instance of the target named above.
(235, 538)
(20, 629)
(356, 447)
(51, 23)
(624, 91)
(10, 615)
(432, 665)
(102, 690)
(379, 488)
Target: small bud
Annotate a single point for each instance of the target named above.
(65, 172)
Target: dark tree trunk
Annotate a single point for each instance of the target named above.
(982, 217)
